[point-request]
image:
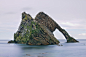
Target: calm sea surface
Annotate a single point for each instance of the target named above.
(22, 50)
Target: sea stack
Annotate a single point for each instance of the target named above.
(39, 31)
(31, 32)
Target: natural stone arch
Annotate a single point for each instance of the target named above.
(58, 34)
(39, 31)
(47, 21)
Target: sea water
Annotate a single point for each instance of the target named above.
(23, 50)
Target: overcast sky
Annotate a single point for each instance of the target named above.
(69, 14)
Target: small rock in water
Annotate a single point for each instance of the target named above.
(11, 41)
(61, 45)
(40, 56)
(43, 53)
(28, 54)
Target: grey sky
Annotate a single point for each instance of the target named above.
(69, 14)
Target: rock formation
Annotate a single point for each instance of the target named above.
(45, 20)
(39, 31)
(33, 33)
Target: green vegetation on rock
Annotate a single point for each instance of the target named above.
(38, 31)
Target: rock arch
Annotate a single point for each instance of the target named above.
(39, 31)
(47, 21)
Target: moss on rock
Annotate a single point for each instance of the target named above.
(39, 31)
(33, 33)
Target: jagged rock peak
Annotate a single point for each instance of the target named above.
(45, 20)
(41, 13)
(23, 12)
(26, 16)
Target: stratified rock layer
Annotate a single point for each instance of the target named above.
(38, 31)
(47, 21)
(33, 33)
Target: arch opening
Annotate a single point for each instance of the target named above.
(58, 35)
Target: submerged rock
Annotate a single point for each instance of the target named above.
(11, 41)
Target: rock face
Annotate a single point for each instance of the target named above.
(45, 20)
(11, 41)
(33, 33)
(39, 31)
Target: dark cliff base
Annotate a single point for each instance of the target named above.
(11, 41)
(38, 31)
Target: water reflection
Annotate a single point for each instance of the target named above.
(22, 50)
